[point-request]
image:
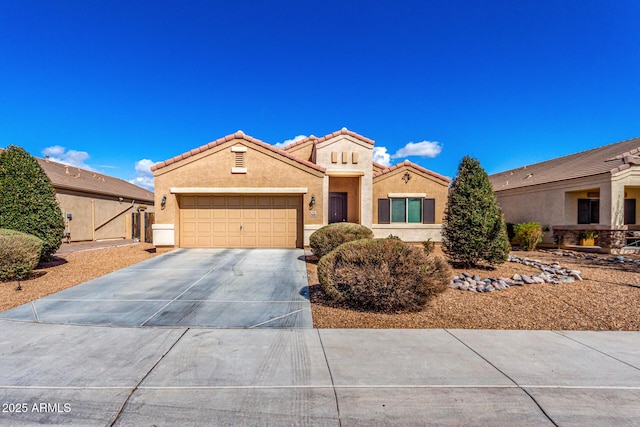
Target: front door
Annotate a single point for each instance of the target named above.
(337, 207)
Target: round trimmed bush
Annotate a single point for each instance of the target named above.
(382, 275)
(329, 237)
(19, 254)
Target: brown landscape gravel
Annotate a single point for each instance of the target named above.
(607, 299)
(71, 269)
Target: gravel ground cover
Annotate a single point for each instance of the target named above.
(72, 269)
(607, 299)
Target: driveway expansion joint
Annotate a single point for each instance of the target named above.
(506, 376)
(137, 386)
(333, 384)
(597, 350)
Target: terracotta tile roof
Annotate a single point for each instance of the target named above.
(238, 135)
(413, 165)
(300, 142)
(379, 166)
(610, 158)
(345, 131)
(316, 140)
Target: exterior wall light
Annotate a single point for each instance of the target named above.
(163, 202)
(313, 200)
(406, 177)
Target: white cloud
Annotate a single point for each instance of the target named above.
(381, 156)
(74, 158)
(144, 176)
(419, 149)
(289, 141)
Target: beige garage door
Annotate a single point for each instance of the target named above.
(240, 221)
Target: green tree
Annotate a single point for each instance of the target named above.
(473, 226)
(28, 201)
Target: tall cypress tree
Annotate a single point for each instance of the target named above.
(473, 226)
(28, 201)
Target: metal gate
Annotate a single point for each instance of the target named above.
(149, 219)
(135, 225)
(145, 235)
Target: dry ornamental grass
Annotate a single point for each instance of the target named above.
(607, 299)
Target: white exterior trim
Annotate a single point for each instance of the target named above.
(344, 173)
(239, 149)
(239, 190)
(163, 234)
(405, 195)
(238, 170)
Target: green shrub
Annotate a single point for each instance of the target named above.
(428, 246)
(528, 235)
(382, 275)
(19, 254)
(473, 229)
(28, 201)
(329, 237)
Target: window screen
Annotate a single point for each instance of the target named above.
(414, 211)
(398, 210)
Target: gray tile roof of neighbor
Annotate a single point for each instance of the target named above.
(611, 159)
(71, 178)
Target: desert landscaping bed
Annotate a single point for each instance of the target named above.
(71, 269)
(607, 299)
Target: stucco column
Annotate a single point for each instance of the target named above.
(615, 201)
(366, 198)
(325, 200)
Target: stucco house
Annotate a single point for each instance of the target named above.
(597, 189)
(238, 191)
(97, 206)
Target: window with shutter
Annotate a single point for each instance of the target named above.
(428, 211)
(384, 211)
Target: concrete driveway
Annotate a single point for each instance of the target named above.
(220, 288)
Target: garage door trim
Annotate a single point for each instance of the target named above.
(239, 190)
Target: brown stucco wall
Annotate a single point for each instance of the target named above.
(351, 186)
(420, 182)
(212, 168)
(89, 211)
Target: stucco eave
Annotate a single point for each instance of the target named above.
(239, 190)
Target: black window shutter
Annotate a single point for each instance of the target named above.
(384, 211)
(428, 211)
(630, 211)
(584, 211)
(595, 211)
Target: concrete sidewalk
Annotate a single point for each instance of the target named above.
(89, 375)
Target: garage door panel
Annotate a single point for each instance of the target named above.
(240, 221)
(234, 201)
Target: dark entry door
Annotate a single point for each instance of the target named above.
(337, 207)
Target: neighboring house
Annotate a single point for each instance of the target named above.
(596, 189)
(97, 206)
(238, 191)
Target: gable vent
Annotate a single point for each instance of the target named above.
(239, 165)
(239, 160)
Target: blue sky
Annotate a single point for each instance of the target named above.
(115, 86)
